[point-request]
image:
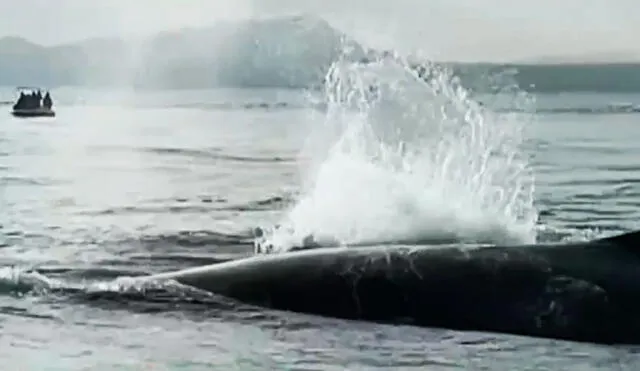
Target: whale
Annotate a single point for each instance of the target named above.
(582, 291)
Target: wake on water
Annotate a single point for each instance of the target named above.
(406, 156)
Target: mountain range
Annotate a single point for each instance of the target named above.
(293, 51)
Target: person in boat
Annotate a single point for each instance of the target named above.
(20, 103)
(37, 99)
(47, 102)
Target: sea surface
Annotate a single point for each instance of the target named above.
(125, 183)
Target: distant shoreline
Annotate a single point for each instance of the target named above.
(13, 42)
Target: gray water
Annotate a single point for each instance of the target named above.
(126, 185)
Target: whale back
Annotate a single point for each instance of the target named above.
(580, 291)
(630, 242)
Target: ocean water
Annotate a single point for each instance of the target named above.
(129, 183)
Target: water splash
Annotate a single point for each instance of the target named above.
(406, 156)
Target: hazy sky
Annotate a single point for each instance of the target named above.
(460, 29)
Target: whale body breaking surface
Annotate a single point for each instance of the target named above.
(579, 291)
